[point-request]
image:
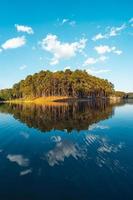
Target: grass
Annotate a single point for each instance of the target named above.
(52, 100)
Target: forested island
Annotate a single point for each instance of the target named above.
(60, 84)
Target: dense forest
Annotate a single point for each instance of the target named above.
(68, 83)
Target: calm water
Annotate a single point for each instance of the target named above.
(77, 151)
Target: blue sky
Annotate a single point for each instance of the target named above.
(78, 34)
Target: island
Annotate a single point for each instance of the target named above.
(47, 86)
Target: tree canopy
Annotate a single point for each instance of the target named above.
(68, 83)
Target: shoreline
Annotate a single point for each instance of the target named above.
(61, 99)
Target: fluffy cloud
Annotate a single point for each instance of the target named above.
(14, 43)
(118, 52)
(19, 159)
(91, 60)
(22, 28)
(99, 36)
(114, 31)
(102, 49)
(61, 50)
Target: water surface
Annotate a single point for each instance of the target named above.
(81, 150)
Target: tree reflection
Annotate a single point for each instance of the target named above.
(69, 116)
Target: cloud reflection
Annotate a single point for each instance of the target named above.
(64, 149)
(24, 134)
(103, 151)
(25, 172)
(19, 159)
(97, 126)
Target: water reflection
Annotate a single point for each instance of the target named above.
(97, 151)
(78, 115)
(64, 149)
(19, 159)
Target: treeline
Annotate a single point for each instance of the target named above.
(68, 83)
(129, 95)
(123, 95)
(120, 94)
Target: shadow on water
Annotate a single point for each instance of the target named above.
(69, 116)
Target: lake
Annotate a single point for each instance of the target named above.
(66, 151)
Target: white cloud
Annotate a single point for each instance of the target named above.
(103, 58)
(94, 71)
(102, 49)
(68, 21)
(25, 29)
(19, 159)
(64, 21)
(99, 36)
(23, 67)
(72, 23)
(61, 50)
(25, 172)
(118, 52)
(92, 61)
(114, 31)
(14, 43)
(67, 67)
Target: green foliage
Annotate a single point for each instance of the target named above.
(6, 94)
(120, 94)
(76, 83)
